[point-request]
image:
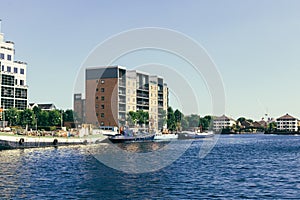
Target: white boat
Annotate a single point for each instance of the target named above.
(12, 141)
(160, 136)
(109, 130)
(195, 135)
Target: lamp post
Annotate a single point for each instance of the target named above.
(61, 119)
(36, 125)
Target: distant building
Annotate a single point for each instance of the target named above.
(13, 86)
(79, 108)
(287, 123)
(113, 91)
(42, 106)
(223, 122)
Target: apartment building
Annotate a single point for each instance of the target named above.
(223, 122)
(287, 123)
(14, 90)
(79, 108)
(112, 92)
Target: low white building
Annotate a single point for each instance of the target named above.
(223, 122)
(287, 123)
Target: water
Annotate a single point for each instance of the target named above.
(239, 167)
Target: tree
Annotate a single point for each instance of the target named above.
(27, 118)
(178, 117)
(162, 120)
(184, 123)
(205, 122)
(68, 116)
(194, 120)
(43, 118)
(272, 126)
(12, 115)
(54, 117)
(132, 118)
(171, 121)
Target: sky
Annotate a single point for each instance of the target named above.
(254, 44)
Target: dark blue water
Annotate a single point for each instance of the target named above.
(239, 167)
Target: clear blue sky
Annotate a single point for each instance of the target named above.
(254, 43)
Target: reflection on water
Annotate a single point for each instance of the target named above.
(142, 147)
(239, 167)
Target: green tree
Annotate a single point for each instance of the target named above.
(178, 115)
(132, 118)
(162, 120)
(184, 123)
(171, 121)
(205, 122)
(27, 118)
(178, 118)
(54, 117)
(194, 120)
(241, 119)
(43, 118)
(68, 115)
(272, 126)
(12, 115)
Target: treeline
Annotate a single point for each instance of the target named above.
(36, 117)
(176, 121)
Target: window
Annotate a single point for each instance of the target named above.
(102, 81)
(21, 82)
(102, 89)
(102, 115)
(8, 57)
(102, 98)
(102, 123)
(16, 82)
(97, 89)
(102, 106)
(96, 105)
(2, 68)
(21, 71)
(15, 70)
(96, 97)
(1, 55)
(8, 69)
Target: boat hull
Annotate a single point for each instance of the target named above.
(166, 137)
(21, 142)
(123, 139)
(193, 135)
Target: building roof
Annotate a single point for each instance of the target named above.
(287, 117)
(223, 117)
(46, 106)
(246, 124)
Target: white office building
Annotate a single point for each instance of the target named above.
(287, 123)
(223, 122)
(12, 78)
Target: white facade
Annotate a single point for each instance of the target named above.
(287, 123)
(13, 84)
(223, 122)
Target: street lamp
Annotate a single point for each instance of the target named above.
(36, 125)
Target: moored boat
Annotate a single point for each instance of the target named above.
(160, 136)
(11, 141)
(194, 135)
